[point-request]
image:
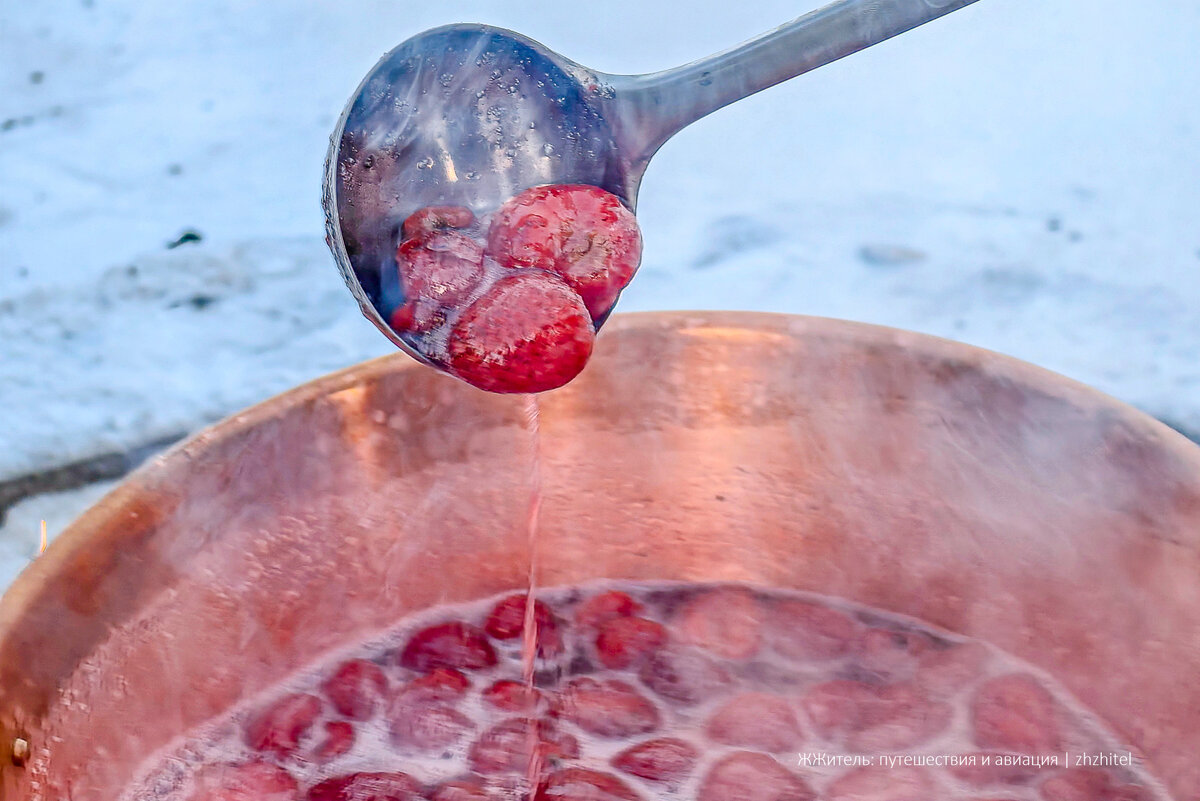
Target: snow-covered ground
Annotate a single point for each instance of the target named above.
(1021, 175)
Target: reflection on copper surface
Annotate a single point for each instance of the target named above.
(923, 477)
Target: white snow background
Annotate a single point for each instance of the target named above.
(1020, 175)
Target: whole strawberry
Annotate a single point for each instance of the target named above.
(529, 333)
(439, 267)
(582, 233)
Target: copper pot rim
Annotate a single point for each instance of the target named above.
(123, 499)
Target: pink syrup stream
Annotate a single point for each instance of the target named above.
(529, 647)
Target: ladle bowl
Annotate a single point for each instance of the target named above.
(960, 487)
(469, 115)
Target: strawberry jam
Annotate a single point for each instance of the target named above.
(645, 691)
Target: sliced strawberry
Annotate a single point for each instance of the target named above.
(807, 632)
(338, 740)
(508, 746)
(438, 271)
(253, 781)
(746, 776)
(436, 218)
(355, 688)
(945, 671)
(837, 707)
(666, 759)
(902, 718)
(604, 607)
(1016, 713)
(872, 718)
(280, 727)
(580, 232)
(427, 727)
(367, 787)
(421, 715)
(507, 622)
(684, 675)
(607, 708)
(439, 684)
(529, 332)
(581, 784)
(756, 720)
(624, 642)
(726, 622)
(448, 645)
(879, 783)
(513, 696)
(507, 618)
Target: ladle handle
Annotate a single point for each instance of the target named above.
(652, 108)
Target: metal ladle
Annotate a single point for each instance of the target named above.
(469, 115)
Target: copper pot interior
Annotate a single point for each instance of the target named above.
(916, 475)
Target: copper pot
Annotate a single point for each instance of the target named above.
(922, 476)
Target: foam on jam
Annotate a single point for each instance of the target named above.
(650, 690)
